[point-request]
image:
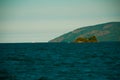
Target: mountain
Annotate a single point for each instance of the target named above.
(103, 32)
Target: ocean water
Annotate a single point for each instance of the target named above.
(60, 61)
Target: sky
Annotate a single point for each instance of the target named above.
(43, 20)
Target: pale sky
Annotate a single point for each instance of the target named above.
(43, 20)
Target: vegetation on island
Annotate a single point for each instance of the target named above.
(90, 39)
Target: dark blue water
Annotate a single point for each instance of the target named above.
(60, 61)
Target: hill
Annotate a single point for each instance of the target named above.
(102, 32)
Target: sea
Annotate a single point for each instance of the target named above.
(60, 61)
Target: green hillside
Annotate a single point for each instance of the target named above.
(103, 32)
